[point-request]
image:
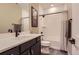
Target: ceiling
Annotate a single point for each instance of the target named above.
(47, 5)
(43, 6)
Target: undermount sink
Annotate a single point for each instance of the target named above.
(19, 37)
(23, 36)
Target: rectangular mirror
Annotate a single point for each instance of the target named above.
(13, 13)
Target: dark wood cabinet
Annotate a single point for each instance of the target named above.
(27, 52)
(32, 47)
(13, 51)
(27, 45)
(36, 49)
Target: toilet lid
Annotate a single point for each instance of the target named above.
(45, 43)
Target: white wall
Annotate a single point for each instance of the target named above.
(73, 13)
(75, 16)
(75, 28)
(25, 21)
(69, 9)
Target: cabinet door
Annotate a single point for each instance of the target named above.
(27, 45)
(13, 51)
(36, 49)
(27, 52)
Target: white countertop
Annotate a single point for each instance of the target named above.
(10, 42)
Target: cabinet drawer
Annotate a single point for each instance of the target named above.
(27, 45)
(13, 51)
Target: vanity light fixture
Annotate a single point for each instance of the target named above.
(51, 5)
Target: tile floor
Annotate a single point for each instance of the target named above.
(53, 52)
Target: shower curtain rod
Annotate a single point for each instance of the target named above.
(45, 14)
(52, 13)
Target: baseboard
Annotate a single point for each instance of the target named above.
(63, 51)
(58, 49)
(53, 47)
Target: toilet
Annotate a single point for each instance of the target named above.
(45, 47)
(45, 43)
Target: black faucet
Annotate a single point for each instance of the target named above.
(16, 33)
(17, 29)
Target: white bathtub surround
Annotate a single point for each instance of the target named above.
(7, 42)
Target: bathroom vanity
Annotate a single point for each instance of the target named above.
(22, 45)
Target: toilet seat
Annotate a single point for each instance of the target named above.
(45, 43)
